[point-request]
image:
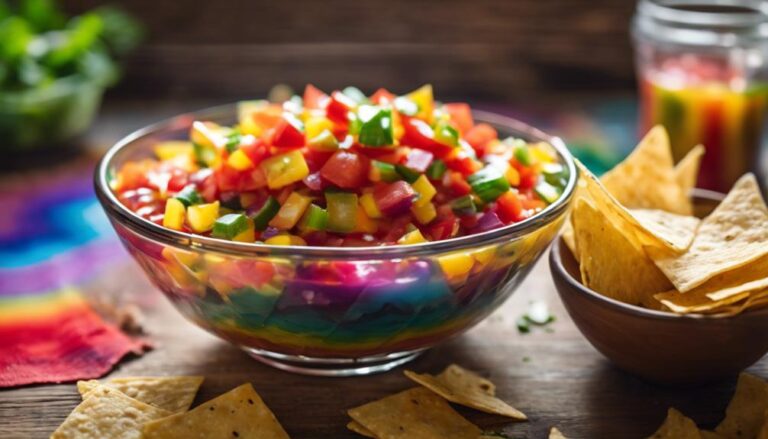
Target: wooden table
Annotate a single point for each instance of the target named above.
(554, 376)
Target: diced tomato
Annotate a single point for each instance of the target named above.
(252, 179)
(461, 116)
(468, 221)
(419, 134)
(509, 207)
(396, 228)
(133, 175)
(479, 136)
(460, 162)
(227, 178)
(528, 175)
(205, 181)
(456, 184)
(443, 228)
(230, 179)
(287, 135)
(533, 203)
(346, 169)
(314, 98)
(338, 108)
(382, 96)
(256, 150)
(316, 159)
(178, 179)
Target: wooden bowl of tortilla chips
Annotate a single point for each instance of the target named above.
(669, 286)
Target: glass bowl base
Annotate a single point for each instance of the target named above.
(332, 367)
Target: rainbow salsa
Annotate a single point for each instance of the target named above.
(343, 169)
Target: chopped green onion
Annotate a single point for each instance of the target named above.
(315, 218)
(488, 183)
(446, 134)
(464, 205)
(385, 171)
(229, 226)
(377, 128)
(523, 326)
(546, 191)
(233, 141)
(554, 174)
(407, 173)
(266, 213)
(189, 196)
(436, 170)
(355, 94)
(342, 211)
(406, 106)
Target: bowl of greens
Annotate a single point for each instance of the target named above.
(54, 70)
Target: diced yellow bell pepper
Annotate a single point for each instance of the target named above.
(484, 255)
(174, 214)
(207, 134)
(314, 125)
(247, 123)
(172, 148)
(284, 169)
(363, 223)
(426, 191)
(513, 176)
(291, 211)
(543, 152)
(425, 100)
(239, 160)
(247, 235)
(424, 214)
(414, 237)
(201, 217)
(370, 206)
(456, 265)
(285, 239)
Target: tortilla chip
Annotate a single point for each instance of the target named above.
(734, 235)
(554, 433)
(237, 413)
(677, 426)
(359, 429)
(685, 303)
(687, 170)
(107, 413)
(709, 435)
(414, 414)
(763, 433)
(610, 263)
(646, 178)
(174, 394)
(676, 229)
(591, 189)
(468, 389)
(569, 238)
(745, 414)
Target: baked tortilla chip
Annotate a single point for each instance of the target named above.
(463, 387)
(763, 433)
(554, 433)
(745, 414)
(676, 229)
(416, 413)
(677, 426)
(237, 413)
(610, 263)
(174, 394)
(359, 429)
(646, 178)
(687, 170)
(690, 302)
(107, 413)
(735, 234)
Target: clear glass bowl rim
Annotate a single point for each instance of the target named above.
(147, 229)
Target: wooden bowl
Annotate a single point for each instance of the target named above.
(661, 347)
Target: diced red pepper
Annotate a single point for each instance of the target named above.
(252, 179)
(382, 96)
(479, 136)
(316, 159)
(205, 181)
(227, 178)
(179, 179)
(457, 184)
(460, 162)
(419, 134)
(394, 198)
(530, 203)
(287, 135)
(528, 175)
(418, 160)
(338, 108)
(443, 228)
(346, 169)
(256, 150)
(314, 98)
(509, 207)
(396, 228)
(461, 116)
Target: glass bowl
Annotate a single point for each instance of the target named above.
(332, 311)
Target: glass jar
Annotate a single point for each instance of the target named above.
(701, 67)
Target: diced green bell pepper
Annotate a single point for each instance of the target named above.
(189, 196)
(266, 213)
(464, 205)
(488, 183)
(385, 171)
(446, 134)
(546, 192)
(436, 170)
(522, 155)
(376, 128)
(233, 141)
(230, 225)
(407, 173)
(342, 211)
(315, 219)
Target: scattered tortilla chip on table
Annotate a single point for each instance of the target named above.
(646, 178)
(416, 413)
(687, 170)
(466, 388)
(733, 235)
(174, 393)
(359, 429)
(107, 413)
(554, 433)
(763, 433)
(237, 413)
(610, 262)
(677, 426)
(745, 414)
